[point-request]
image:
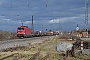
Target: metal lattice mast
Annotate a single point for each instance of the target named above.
(86, 15)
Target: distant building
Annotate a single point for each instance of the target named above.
(77, 28)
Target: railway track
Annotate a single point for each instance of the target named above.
(3, 58)
(20, 42)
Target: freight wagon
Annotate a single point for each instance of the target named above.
(37, 33)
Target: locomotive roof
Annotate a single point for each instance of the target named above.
(23, 26)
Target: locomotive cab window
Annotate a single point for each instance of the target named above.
(20, 28)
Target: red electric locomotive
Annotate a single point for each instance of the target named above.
(24, 31)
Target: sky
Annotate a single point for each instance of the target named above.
(47, 14)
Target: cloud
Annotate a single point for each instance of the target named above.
(68, 19)
(8, 20)
(68, 12)
(27, 22)
(64, 20)
(54, 21)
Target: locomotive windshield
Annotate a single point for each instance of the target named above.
(20, 28)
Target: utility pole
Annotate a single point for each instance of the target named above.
(61, 26)
(42, 26)
(86, 15)
(32, 23)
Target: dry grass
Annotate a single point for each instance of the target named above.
(44, 46)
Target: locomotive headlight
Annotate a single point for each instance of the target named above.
(23, 33)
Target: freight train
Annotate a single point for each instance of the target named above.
(24, 32)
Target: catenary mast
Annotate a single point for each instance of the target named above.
(86, 15)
